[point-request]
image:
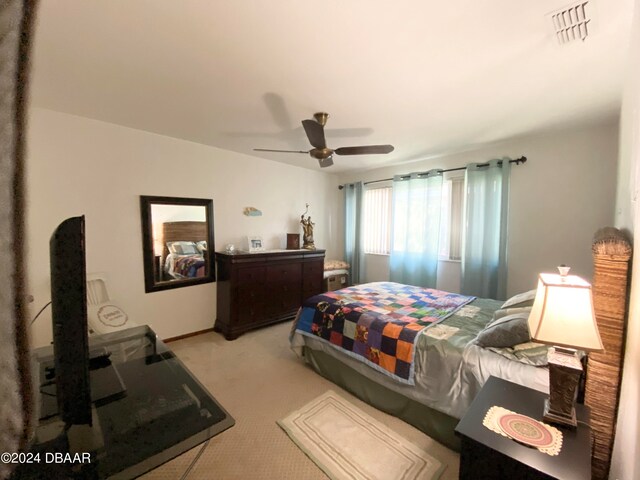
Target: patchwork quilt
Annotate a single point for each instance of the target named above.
(190, 266)
(378, 323)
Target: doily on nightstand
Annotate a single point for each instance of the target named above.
(524, 430)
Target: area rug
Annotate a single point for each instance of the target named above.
(346, 443)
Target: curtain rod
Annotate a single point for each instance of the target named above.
(517, 161)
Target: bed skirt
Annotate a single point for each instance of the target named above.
(437, 425)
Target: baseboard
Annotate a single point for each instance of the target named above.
(187, 335)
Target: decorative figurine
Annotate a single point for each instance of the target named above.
(307, 228)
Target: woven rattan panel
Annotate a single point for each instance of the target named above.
(611, 255)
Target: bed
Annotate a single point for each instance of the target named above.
(185, 249)
(361, 338)
(179, 265)
(449, 365)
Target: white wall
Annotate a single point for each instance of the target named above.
(177, 213)
(625, 463)
(558, 199)
(79, 166)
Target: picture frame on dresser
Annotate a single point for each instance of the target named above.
(255, 244)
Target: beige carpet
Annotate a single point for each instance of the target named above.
(348, 444)
(259, 380)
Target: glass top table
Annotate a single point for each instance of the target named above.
(146, 409)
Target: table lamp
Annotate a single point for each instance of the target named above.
(562, 315)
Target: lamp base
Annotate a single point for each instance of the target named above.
(559, 418)
(565, 370)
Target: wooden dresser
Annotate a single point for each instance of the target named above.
(257, 289)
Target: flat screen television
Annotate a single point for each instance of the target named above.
(69, 318)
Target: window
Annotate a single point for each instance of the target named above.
(451, 218)
(417, 205)
(378, 212)
(377, 220)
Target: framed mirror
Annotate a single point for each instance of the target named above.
(177, 242)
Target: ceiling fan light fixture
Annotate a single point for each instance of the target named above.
(325, 162)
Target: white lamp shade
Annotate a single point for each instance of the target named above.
(158, 238)
(157, 247)
(562, 313)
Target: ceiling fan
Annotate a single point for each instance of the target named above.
(315, 133)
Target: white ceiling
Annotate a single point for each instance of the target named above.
(428, 76)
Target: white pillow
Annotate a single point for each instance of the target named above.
(183, 248)
(107, 317)
(521, 300)
(510, 311)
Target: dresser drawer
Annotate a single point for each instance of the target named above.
(251, 295)
(313, 269)
(312, 274)
(251, 275)
(284, 287)
(284, 273)
(283, 301)
(250, 314)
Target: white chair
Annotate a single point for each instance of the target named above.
(106, 317)
(103, 315)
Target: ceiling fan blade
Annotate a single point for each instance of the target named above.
(325, 162)
(281, 151)
(364, 150)
(315, 133)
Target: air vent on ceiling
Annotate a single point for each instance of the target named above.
(572, 23)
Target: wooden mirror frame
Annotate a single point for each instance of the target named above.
(150, 283)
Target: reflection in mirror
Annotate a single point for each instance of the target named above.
(177, 235)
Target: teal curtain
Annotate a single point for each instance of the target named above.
(415, 232)
(353, 253)
(484, 257)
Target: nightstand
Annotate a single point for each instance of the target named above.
(489, 455)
